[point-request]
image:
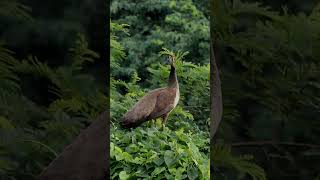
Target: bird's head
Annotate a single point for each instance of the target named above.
(173, 57)
(171, 60)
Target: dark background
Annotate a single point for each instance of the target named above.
(45, 102)
(269, 65)
(291, 152)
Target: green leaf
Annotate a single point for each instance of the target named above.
(5, 123)
(158, 161)
(192, 172)
(169, 158)
(157, 171)
(123, 175)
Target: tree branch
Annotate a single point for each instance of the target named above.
(264, 143)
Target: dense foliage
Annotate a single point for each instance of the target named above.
(137, 68)
(178, 151)
(270, 67)
(176, 25)
(51, 86)
(34, 128)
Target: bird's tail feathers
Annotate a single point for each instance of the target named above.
(129, 123)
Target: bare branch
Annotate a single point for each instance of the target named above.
(264, 143)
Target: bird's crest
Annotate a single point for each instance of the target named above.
(173, 57)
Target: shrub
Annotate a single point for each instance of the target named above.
(159, 153)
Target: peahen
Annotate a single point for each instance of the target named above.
(157, 103)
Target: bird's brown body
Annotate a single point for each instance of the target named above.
(157, 103)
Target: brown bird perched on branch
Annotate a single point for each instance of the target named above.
(157, 103)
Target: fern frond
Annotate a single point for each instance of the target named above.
(9, 81)
(81, 53)
(115, 27)
(315, 14)
(12, 8)
(222, 157)
(178, 56)
(5, 123)
(240, 8)
(34, 66)
(117, 50)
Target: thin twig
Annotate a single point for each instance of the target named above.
(43, 145)
(263, 143)
(202, 107)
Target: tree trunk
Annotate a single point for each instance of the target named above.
(215, 94)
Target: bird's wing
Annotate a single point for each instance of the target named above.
(164, 103)
(141, 110)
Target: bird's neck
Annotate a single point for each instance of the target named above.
(173, 80)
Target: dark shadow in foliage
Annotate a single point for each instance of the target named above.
(43, 34)
(85, 158)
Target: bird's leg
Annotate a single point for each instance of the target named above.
(164, 119)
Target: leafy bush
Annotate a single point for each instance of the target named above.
(33, 133)
(269, 70)
(177, 25)
(152, 153)
(180, 150)
(237, 166)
